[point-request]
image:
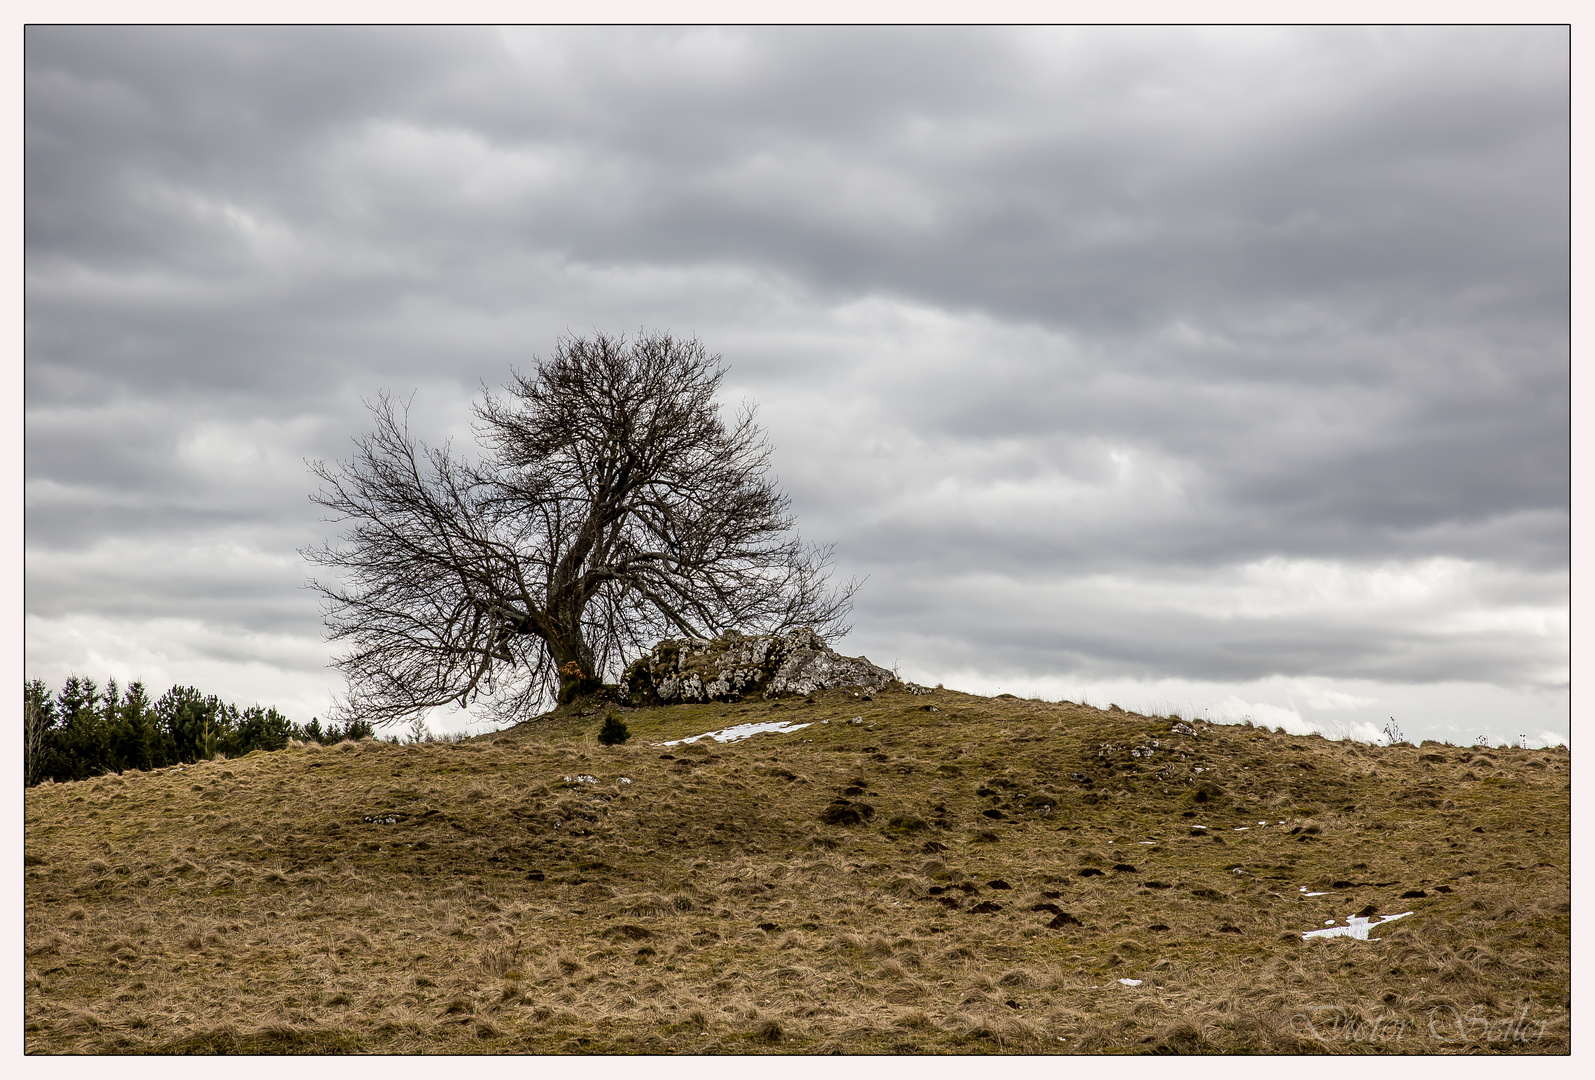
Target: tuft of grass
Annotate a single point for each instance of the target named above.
(614, 731)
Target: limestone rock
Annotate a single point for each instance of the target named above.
(735, 666)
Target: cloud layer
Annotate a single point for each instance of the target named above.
(1225, 356)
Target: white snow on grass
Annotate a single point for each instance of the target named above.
(740, 732)
(1356, 927)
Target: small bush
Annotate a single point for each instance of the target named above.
(614, 731)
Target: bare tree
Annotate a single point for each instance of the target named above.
(34, 727)
(611, 505)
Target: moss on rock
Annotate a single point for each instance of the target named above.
(736, 666)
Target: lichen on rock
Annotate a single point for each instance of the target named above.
(736, 666)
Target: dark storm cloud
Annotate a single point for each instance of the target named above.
(1046, 304)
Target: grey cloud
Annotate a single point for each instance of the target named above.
(1312, 283)
(140, 581)
(1103, 633)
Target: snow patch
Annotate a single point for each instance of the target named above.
(1356, 927)
(740, 732)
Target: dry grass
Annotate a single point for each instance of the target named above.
(468, 898)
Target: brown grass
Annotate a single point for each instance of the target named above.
(467, 898)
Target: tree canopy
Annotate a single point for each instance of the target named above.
(85, 731)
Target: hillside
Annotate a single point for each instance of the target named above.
(945, 874)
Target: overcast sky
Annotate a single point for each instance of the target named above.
(1217, 370)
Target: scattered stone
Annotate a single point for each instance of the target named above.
(985, 907)
(1064, 919)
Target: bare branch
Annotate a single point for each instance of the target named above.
(612, 505)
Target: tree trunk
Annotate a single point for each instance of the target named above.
(572, 656)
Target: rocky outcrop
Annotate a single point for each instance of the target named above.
(735, 667)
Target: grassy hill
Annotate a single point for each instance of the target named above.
(946, 873)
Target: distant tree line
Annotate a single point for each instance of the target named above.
(84, 731)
